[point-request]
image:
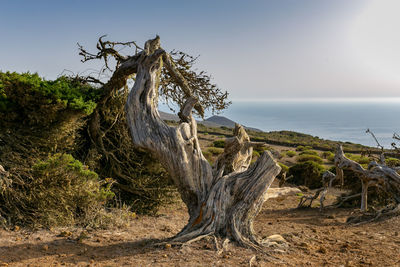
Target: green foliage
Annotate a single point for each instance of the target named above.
(215, 151)
(255, 154)
(219, 143)
(207, 154)
(328, 155)
(260, 149)
(331, 158)
(307, 173)
(290, 153)
(62, 192)
(302, 148)
(309, 152)
(304, 158)
(284, 168)
(392, 162)
(358, 158)
(30, 98)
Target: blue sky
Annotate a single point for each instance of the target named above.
(253, 49)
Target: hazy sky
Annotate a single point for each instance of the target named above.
(253, 49)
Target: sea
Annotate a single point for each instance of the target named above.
(340, 120)
(334, 119)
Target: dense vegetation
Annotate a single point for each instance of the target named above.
(42, 121)
(23, 95)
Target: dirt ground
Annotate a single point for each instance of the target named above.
(313, 238)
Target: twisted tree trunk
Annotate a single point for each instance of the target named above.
(223, 201)
(375, 175)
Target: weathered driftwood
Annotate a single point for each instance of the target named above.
(375, 175)
(327, 180)
(222, 201)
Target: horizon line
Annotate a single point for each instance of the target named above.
(319, 99)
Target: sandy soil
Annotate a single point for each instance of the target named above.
(313, 238)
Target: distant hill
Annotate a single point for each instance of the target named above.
(213, 121)
(222, 121)
(168, 116)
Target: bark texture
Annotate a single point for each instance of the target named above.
(222, 201)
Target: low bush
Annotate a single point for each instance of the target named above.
(290, 153)
(307, 173)
(304, 158)
(302, 148)
(328, 155)
(260, 149)
(392, 162)
(219, 143)
(358, 158)
(309, 152)
(284, 168)
(62, 192)
(207, 154)
(29, 98)
(215, 151)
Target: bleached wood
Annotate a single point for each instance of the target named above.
(375, 175)
(222, 203)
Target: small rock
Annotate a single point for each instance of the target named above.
(167, 246)
(165, 256)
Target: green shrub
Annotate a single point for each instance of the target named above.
(358, 158)
(215, 151)
(302, 148)
(327, 155)
(207, 154)
(32, 99)
(290, 153)
(260, 149)
(303, 158)
(284, 168)
(219, 143)
(392, 162)
(62, 192)
(309, 152)
(307, 173)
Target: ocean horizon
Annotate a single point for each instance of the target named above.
(334, 119)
